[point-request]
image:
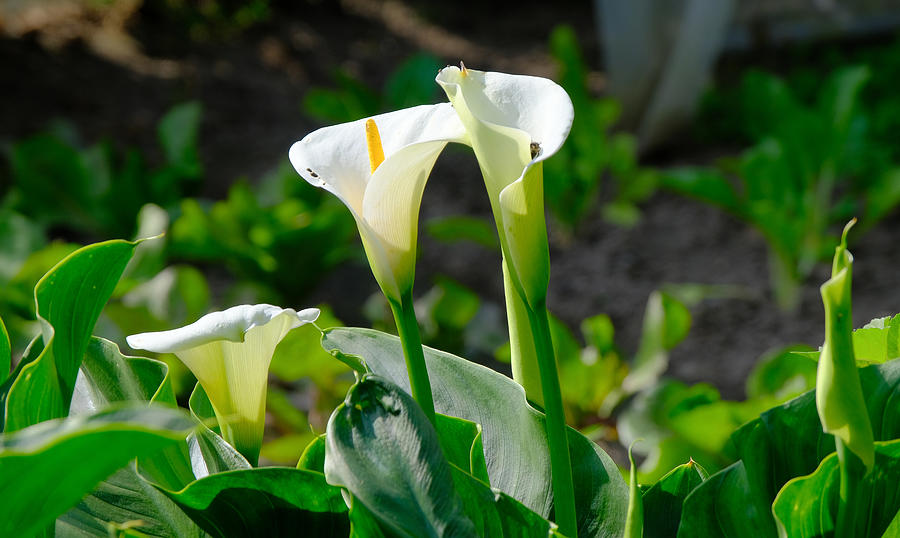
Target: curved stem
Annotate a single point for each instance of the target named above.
(408, 328)
(560, 464)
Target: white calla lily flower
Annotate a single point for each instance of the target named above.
(514, 122)
(378, 168)
(229, 352)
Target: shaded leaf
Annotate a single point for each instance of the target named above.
(268, 501)
(63, 452)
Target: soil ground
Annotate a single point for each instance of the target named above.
(251, 87)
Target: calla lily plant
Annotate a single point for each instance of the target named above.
(378, 168)
(229, 352)
(514, 123)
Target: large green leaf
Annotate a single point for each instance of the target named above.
(663, 501)
(69, 300)
(268, 501)
(106, 377)
(46, 468)
(380, 448)
(513, 434)
(806, 506)
(387, 454)
(726, 506)
(787, 441)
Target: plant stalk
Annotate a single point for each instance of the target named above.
(852, 490)
(560, 464)
(411, 340)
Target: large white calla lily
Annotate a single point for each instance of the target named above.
(229, 352)
(378, 168)
(514, 122)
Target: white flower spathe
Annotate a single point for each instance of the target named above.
(384, 202)
(229, 352)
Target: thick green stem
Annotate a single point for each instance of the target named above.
(408, 328)
(852, 491)
(560, 465)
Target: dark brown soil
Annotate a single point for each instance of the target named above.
(251, 87)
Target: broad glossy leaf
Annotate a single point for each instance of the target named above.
(787, 441)
(69, 300)
(381, 448)
(63, 453)
(106, 376)
(514, 438)
(394, 463)
(726, 505)
(268, 501)
(663, 501)
(806, 506)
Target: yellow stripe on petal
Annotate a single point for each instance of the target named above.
(373, 144)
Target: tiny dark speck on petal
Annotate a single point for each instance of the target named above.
(313, 174)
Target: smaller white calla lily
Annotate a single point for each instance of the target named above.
(378, 168)
(514, 122)
(229, 352)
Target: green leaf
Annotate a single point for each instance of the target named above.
(726, 505)
(269, 501)
(386, 424)
(664, 500)
(69, 300)
(782, 373)
(461, 444)
(878, 341)
(177, 132)
(704, 184)
(514, 438)
(64, 453)
(380, 423)
(666, 323)
(313, 457)
(807, 506)
(453, 229)
(411, 84)
(107, 377)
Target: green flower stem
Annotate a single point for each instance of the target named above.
(560, 465)
(852, 491)
(408, 328)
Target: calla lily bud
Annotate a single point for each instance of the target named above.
(378, 168)
(839, 397)
(514, 123)
(229, 352)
